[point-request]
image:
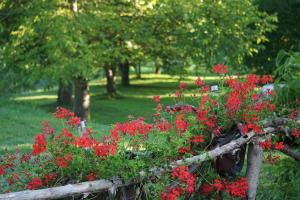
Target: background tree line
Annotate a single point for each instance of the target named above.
(66, 43)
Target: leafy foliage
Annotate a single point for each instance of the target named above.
(285, 36)
(60, 40)
(288, 77)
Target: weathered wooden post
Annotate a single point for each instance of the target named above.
(254, 161)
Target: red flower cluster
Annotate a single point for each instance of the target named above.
(2, 171)
(73, 121)
(220, 69)
(63, 113)
(198, 139)
(25, 158)
(205, 88)
(186, 180)
(218, 185)
(180, 124)
(243, 105)
(50, 177)
(237, 188)
(266, 79)
(182, 86)
(103, 150)
(34, 184)
(39, 145)
(163, 126)
(84, 142)
(63, 162)
(65, 137)
(252, 126)
(294, 113)
(134, 127)
(182, 151)
(206, 189)
(156, 99)
(182, 173)
(268, 145)
(91, 176)
(265, 144)
(279, 146)
(295, 133)
(47, 129)
(199, 82)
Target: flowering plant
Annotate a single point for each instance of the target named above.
(177, 132)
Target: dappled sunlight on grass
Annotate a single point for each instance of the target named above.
(149, 79)
(37, 97)
(24, 146)
(135, 99)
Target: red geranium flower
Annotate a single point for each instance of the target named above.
(39, 145)
(34, 184)
(220, 69)
(63, 162)
(295, 133)
(182, 85)
(91, 176)
(61, 113)
(50, 177)
(279, 146)
(73, 121)
(2, 171)
(199, 82)
(156, 99)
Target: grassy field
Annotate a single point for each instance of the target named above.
(21, 116)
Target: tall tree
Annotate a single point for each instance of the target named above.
(203, 33)
(50, 43)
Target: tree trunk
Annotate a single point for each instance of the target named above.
(255, 154)
(138, 71)
(158, 64)
(157, 69)
(64, 94)
(124, 68)
(82, 98)
(110, 82)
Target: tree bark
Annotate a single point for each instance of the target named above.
(138, 71)
(254, 162)
(64, 94)
(124, 69)
(157, 69)
(157, 66)
(82, 98)
(61, 191)
(110, 82)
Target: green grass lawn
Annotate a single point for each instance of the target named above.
(135, 100)
(21, 116)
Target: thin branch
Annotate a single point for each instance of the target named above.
(287, 151)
